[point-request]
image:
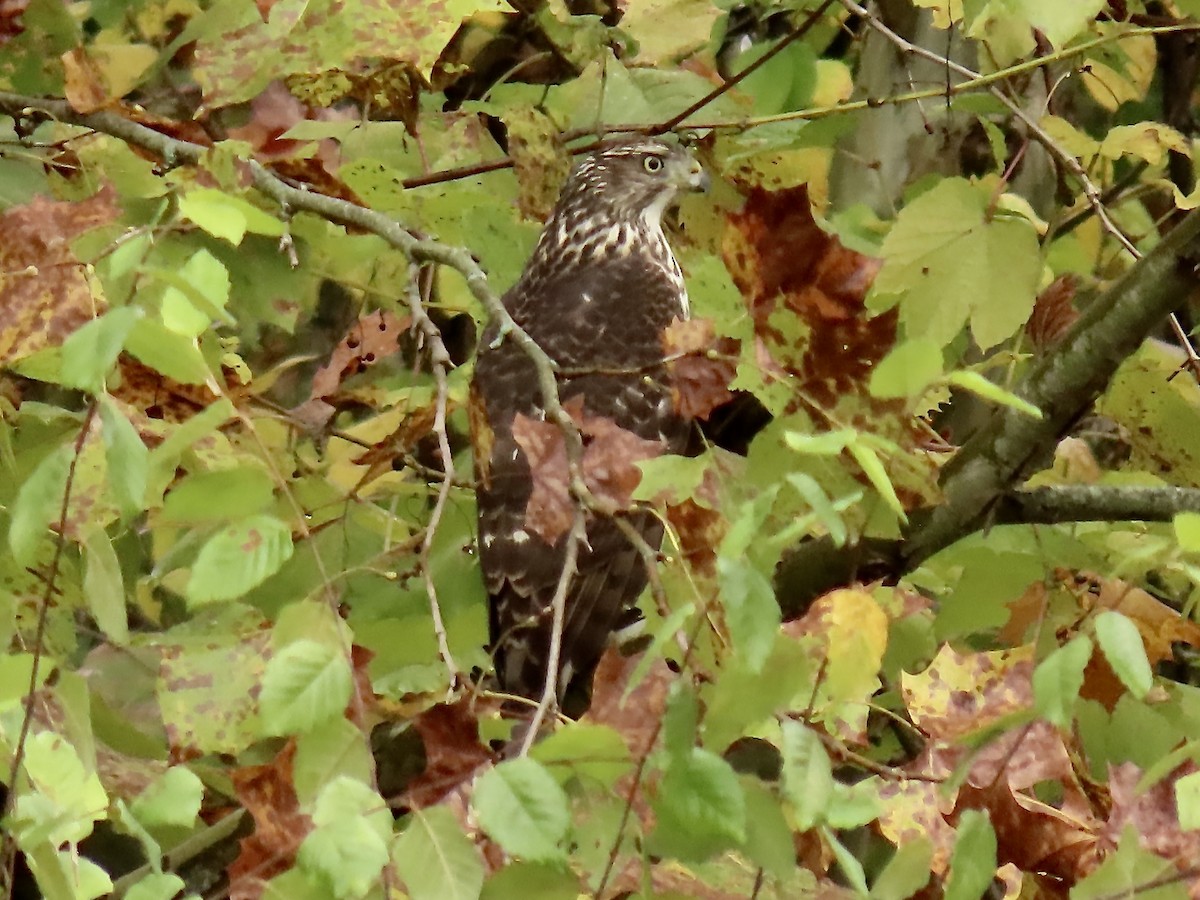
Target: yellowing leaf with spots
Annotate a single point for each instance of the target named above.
(960, 693)
(849, 632)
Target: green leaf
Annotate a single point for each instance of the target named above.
(237, 558)
(680, 720)
(769, 841)
(436, 860)
(348, 848)
(223, 494)
(700, 806)
(1187, 801)
(305, 684)
(226, 216)
(987, 389)
(195, 296)
(751, 610)
(127, 458)
(531, 881)
(1187, 531)
(89, 354)
(807, 774)
(15, 671)
(333, 749)
(906, 872)
(973, 865)
(168, 352)
(156, 886)
(521, 805)
(172, 799)
(1058, 679)
(1123, 648)
(946, 262)
(66, 875)
(847, 861)
(583, 749)
(103, 585)
(39, 502)
(868, 460)
(65, 799)
(905, 372)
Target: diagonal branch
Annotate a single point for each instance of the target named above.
(1063, 384)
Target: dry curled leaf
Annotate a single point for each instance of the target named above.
(610, 457)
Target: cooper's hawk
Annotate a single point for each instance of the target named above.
(601, 287)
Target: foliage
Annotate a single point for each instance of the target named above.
(243, 630)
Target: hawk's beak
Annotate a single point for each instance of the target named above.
(697, 178)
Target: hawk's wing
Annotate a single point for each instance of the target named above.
(604, 326)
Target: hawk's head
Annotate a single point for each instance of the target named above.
(630, 181)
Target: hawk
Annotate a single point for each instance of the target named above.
(596, 296)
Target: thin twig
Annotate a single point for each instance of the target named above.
(558, 608)
(439, 362)
(804, 28)
(39, 637)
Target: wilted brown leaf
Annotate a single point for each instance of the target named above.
(1153, 816)
(1159, 625)
(453, 751)
(699, 381)
(45, 291)
(806, 294)
(637, 717)
(268, 793)
(374, 337)
(272, 114)
(83, 82)
(610, 457)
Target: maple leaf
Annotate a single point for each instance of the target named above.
(806, 293)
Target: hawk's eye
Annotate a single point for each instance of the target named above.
(653, 164)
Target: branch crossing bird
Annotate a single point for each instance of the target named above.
(596, 296)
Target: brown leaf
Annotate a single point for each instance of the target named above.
(700, 532)
(610, 457)
(373, 337)
(806, 294)
(84, 85)
(158, 397)
(412, 428)
(550, 509)
(272, 114)
(699, 381)
(268, 793)
(453, 751)
(636, 717)
(45, 292)
(1152, 814)
(1159, 625)
(1033, 835)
